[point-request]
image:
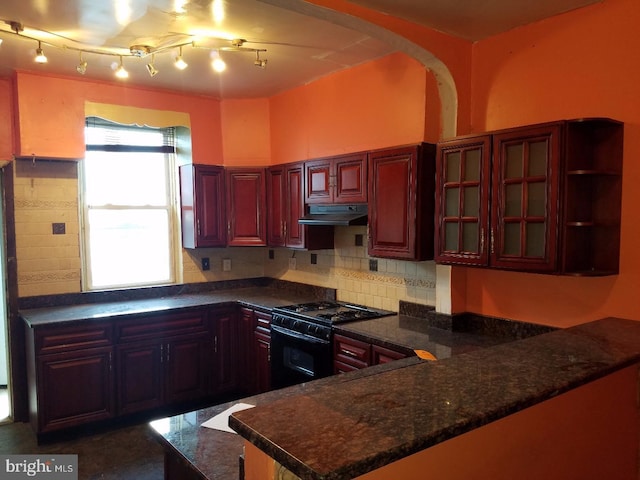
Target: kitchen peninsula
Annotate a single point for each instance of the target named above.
(500, 411)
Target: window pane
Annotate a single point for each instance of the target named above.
(129, 247)
(511, 239)
(472, 165)
(452, 202)
(513, 200)
(451, 237)
(538, 158)
(470, 237)
(453, 167)
(535, 240)
(536, 199)
(472, 201)
(125, 178)
(514, 161)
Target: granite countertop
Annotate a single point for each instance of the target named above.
(413, 333)
(326, 432)
(256, 297)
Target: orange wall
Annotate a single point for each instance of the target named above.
(583, 63)
(204, 112)
(374, 105)
(246, 132)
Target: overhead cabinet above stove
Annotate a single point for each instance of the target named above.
(543, 198)
(339, 179)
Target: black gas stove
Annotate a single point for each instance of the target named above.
(301, 347)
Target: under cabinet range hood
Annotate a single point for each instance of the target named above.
(335, 214)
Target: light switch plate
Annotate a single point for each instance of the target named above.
(226, 264)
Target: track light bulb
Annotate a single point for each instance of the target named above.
(258, 62)
(121, 72)
(151, 68)
(82, 66)
(40, 56)
(180, 63)
(217, 63)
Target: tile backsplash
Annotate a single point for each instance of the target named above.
(46, 193)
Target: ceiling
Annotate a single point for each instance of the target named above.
(298, 47)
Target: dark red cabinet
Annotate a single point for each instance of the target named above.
(285, 205)
(255, 351)
(246, 206)
(339, 179)
(543, 198)
(202, 206)
(353, 354)
(401, 202)
(223, 364)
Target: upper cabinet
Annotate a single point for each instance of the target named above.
(544, 198)
(246, 205)
(401, 202)
(340, 179)
(285, 206)
(202, 197)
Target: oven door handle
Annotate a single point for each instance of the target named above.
(298, 336)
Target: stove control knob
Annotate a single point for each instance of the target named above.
(295, 324)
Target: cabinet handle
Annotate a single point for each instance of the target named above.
(284, 230)
(162, 353)
(215, 344)
(168, 352)
(228, 230)
(110, 361)
(198, 227)
(481, 241)
(349, 353)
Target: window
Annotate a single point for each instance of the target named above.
(128, 215)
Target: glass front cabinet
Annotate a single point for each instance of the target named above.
(544, 198)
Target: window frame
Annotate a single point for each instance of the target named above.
(172, 206)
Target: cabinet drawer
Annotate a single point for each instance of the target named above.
(155, 326)
(352, 352)
(385, 355)
(263, 322)
(66, 338)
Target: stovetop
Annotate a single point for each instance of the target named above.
(331, 313)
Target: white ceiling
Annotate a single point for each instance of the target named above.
(299, 47)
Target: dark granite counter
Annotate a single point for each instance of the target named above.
(348, 425)
(412, 333)
(256, 297)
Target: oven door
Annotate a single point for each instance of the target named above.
(297, 358)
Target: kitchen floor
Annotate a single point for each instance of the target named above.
(125, 453)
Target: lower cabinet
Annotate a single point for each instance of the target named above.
(255, 339)
(223, 364)
(353, 354)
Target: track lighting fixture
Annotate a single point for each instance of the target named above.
(82, 66)
(40, 56)
(136, 50)
(151, 68)
(217, 63)
(180, 63)
(258, 62)
(121, 72)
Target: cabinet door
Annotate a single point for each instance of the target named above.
(276, 206)
(318, 181)
(74, 388)
(139, 377)
(225, 348)
(525, 198)
(463, 178)
(246, 200)
(294, 206)
(263, 362)
(401, 202)
(350, 178)
(202, 206)
(186, 362)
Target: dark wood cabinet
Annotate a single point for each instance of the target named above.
(544, 198)
(202, 206)
(70, 375)
(246, 207)
(285, 206)
(338, 179)
(353, 354)
(223, 365)
(401, 202)
(255, 351)
(162, 359)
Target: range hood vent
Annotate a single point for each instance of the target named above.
(342, 215)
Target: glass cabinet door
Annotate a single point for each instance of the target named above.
(462, 204)
(524, 207)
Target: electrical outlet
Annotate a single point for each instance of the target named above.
(373, 265)
(271, 255)
(205, 263)
(314, 259)
(226, 265)
(292, 263)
